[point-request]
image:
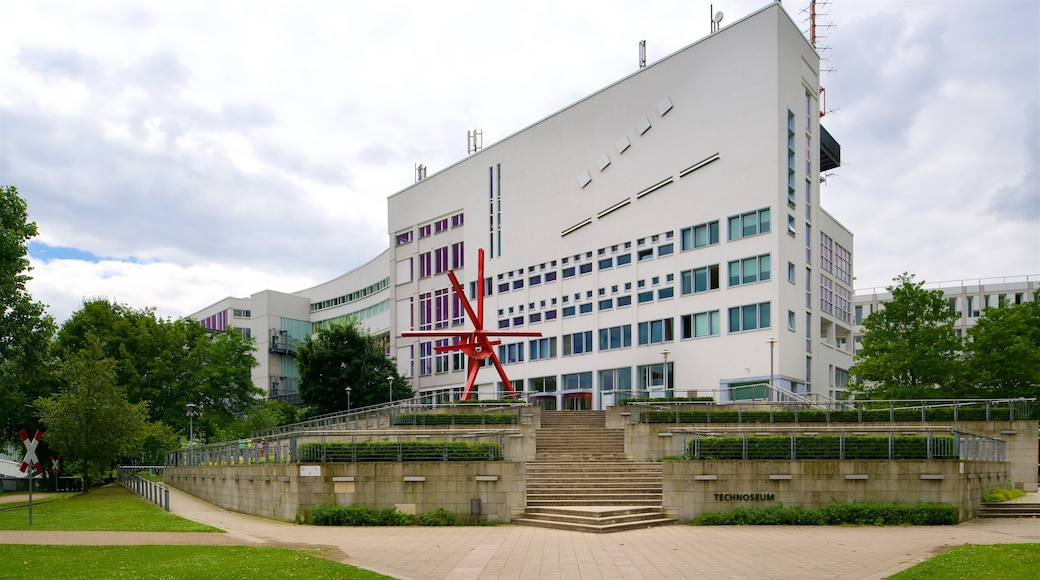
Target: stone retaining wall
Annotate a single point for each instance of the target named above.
(695, 487)
(286, 491)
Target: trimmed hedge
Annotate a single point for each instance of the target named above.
(1001, 413)
(455, 419)
(870, 514)
(704, 399)
(823, 447)
(376, 451)
(356, 515)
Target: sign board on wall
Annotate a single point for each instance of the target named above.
(310, 471)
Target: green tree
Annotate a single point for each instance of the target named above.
(156, 439)
(90, 420)
(341, 356)
(265, 415)
(168, 363)
(1002, 353)
(26, 370)
(909, 349)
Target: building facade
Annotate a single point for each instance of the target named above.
(968, 298)
(664, 234)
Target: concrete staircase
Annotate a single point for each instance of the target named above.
(582, 479)
(1009, 510)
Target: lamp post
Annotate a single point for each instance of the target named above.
(390, 380)
(192, 413)
(665, 354)
(772, 389)
(348, 389)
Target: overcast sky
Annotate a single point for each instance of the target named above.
(175, 153)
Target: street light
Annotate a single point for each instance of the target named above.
(665, 354)
(390, 379)
(192, 413)
(348, 398)
(772, 389)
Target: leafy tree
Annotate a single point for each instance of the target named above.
(1002, 353)
(341, 356)
(90, 420)
(265, 415)
(168, 363)
(156, 439)
(26, 370)
(910, 349)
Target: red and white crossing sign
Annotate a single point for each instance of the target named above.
(55, 464)
(30, 451)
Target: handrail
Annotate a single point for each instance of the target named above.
(152, 491)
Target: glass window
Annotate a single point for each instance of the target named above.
(749, 224)
(655, 331)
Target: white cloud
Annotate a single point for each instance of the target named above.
(238, 146)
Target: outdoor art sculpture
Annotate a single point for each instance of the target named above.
(476, 344)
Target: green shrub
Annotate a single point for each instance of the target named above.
(870, 514)
(711, 414)
(455, 419)
(355, 515)
(1002, 495)
(378, 451)
(822, 447)
(441, 517)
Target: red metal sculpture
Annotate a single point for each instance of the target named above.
(476, 344)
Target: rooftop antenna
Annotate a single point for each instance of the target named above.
(420, 172)
(474, 141)
(716, 19)
(818, 29)
(642, 53)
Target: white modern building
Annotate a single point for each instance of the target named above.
(968, 298)
(664, 234)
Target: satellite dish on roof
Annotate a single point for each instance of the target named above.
(718, 17)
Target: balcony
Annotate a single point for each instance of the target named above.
(282, 343)
(830, 151)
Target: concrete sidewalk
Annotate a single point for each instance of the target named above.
(523, 552)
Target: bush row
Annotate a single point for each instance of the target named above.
(455, 419)
(820, 416)
(822, 447)
(364, 451)
(354, 515)
(871, 514)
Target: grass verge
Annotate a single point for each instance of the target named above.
(110, 509)
(223, 562)
(996, 562)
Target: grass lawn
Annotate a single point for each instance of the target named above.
(996, 562)
(223, 562)
(110, 508)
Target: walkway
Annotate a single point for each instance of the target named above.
(525, 552)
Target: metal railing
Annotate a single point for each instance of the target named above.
(152, 491)
(866, 443)
(891, 411)
(382, 416)
(339, 445)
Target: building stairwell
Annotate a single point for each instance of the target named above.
(582, 479)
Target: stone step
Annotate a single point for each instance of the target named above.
(1009, 510)
(594, 528)
(586, 468)
(621, 501)
(593, 497)
(597, 519)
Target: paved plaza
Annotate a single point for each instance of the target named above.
(507, 551)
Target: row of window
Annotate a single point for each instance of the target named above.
(437, 261)
(697, 325)
(351, 297)
(427, 230)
